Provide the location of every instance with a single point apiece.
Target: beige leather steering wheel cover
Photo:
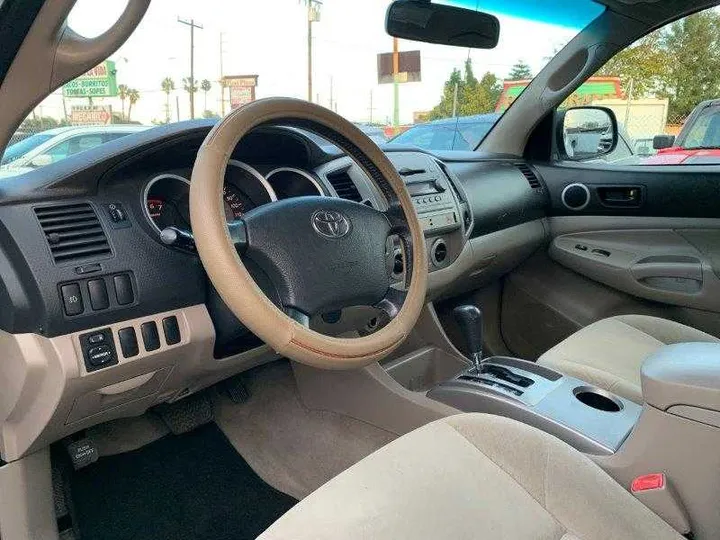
(232, 280)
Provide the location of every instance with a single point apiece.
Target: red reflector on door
(648, 481)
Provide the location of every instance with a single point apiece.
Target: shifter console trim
(549, 403)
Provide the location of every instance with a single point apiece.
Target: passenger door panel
(659, 257)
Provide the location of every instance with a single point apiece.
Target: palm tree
(205, 86)
(168, 86)
(122, 93)
(190, 86)
(132, 95)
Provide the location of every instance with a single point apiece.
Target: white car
(57, 144)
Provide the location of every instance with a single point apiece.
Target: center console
(588, 418)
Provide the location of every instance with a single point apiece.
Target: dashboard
(104, 317)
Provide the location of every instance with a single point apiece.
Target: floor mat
(193, 486)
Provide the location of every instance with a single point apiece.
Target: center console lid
(682, 377)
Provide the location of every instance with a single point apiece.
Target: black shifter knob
(471, 323)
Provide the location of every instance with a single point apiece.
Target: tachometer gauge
(167, 202)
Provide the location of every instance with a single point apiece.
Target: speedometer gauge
(236, 203)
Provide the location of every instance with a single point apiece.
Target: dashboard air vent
(344, 186)
(73, 231)
(530, 175)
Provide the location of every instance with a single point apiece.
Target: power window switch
(128, 342)
(150, 336)
(72, 299)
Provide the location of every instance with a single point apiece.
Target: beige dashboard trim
(47, 392)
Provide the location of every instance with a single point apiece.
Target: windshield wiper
(702, 148)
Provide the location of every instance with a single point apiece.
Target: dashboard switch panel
(150, 336)
(72, 299)
(171, 330)
(98, 349)
(123, 289)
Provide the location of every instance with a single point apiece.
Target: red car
(698, 142)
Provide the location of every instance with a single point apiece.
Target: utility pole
(396, 83)
(193, 26)
(313, 15)
(331, 93)
(371, 106)
(177, 106)
(455, 98)
(222, 75)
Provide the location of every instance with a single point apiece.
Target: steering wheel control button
(171, 329)
(98, 294)
(72, 299)
(330, 223)
(128, 342)
(123, 289)
(98, 349)
(150, 336)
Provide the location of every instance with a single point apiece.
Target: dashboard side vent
(72, 231)
(344, 185)
(530, 175)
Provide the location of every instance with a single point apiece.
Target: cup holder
(597, 399)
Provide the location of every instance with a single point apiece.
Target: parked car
(461, 133)
(57, 144)
(698, 142)
(466, 132)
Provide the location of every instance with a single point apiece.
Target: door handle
(621, 196)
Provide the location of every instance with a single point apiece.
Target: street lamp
(313, 15)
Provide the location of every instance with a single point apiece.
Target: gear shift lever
(470, 320)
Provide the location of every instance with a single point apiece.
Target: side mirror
(663, 141)
(586, 133)
(421, 20)
(41, 160)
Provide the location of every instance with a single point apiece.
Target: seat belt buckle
(655, 492)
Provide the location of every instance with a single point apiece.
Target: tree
(644, 63)
(520, 71)
(680, 62)
(168, 86)
(190, 86)
(122, 93)
(210, 114)
(473, 96)
(133, 96)
(205, 86)
(692, 73)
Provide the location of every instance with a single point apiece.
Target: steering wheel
(320, 253)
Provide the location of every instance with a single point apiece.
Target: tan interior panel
(659, 265)
(50, 393)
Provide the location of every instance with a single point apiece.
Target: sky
(269, 37)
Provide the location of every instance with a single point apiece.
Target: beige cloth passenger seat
(609, 353)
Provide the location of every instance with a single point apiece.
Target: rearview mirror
(420, 20)
(586, 133)
(663, 141)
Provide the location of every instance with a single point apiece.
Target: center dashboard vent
(344, 185)
(528, 173)
(72, 231)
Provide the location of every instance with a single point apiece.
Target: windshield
(19, 149)
(705, 131)
(335, 53)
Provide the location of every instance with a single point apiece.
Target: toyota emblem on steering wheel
(330, 224)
